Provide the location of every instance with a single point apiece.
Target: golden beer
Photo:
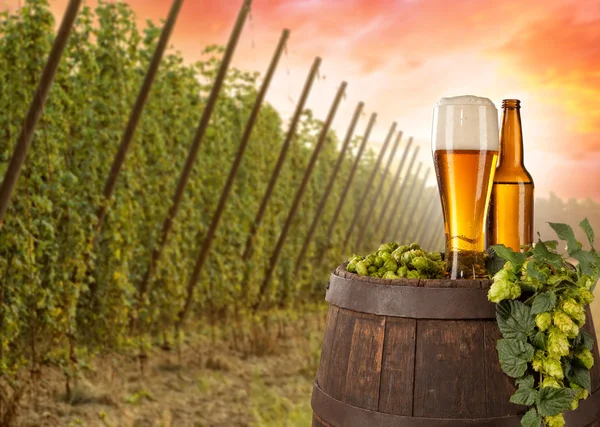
(465, 150)
(511, 205)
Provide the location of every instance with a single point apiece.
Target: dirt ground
(264, 380)
(267, 382)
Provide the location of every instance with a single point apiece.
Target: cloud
(559, 55)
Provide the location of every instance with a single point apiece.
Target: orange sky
(400, 56)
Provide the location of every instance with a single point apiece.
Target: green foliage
(48, 264)
(543, 345)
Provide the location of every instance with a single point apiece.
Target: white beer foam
(465, 123)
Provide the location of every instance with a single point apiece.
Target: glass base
(466, 264)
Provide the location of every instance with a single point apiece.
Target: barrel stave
(397, 375)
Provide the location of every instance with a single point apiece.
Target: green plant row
(47, 262)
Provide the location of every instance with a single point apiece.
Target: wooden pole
(361, 232)
(280, 160)
(136, 112)
(299, 194)
(204, 251)
(403, 229)
(388, 227)
(396, 180)
(36, 107)
(193, 152)
(325, 197)
(365, 194)
(346, 189)
(405, 209)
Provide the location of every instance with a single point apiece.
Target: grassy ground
(262, 377)
(247, 375)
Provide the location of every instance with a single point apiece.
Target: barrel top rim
(341, 271)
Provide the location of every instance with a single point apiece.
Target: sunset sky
(400, 57)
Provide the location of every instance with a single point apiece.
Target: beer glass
(465, 149)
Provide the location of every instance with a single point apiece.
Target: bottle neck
(511, 138)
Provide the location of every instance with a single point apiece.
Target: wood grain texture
(449, 370)
(334, 383)
(397, 371)
(364, 365)
(330, 327)
(498, 386)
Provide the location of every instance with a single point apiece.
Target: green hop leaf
(540, 340)
(533, 272)
(379, 262)
(516, 259)
(525, 394)
(586, 261)
(515, 320)
(531, 419)
(587, 229)
(542, 254)
(587, 340)
(543, 321)
(565, 232)
(581, 377)
(543, 302)
(553, 401)
(514, 356)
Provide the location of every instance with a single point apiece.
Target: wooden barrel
(418, 353)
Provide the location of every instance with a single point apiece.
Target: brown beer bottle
(511, 203)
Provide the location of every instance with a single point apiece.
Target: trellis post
(36, 107)
(212, 229)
